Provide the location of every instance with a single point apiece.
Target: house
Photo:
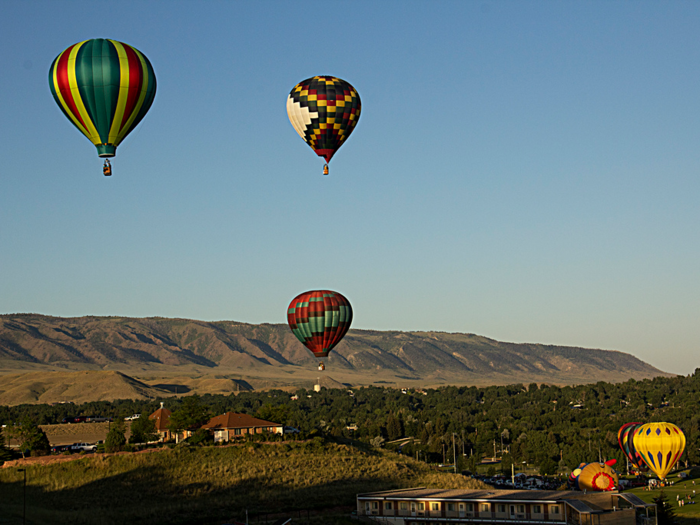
(231, 425)
(459, 506)
(162, 418)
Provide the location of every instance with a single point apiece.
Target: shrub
(115, 437)
(200, 437)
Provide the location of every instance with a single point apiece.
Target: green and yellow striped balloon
(105, 88)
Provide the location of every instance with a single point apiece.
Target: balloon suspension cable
(107, 168)
(325, 169)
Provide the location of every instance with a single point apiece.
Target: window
(451, 507)
(421, 506)
(237, 431)
(403, 505)
(501, 507)
(387, 505)
(537, 509)
(554, 509)
(484, 507)
(367, 506)
(375, 505)
(521, 509)
(470, 507)
(434, 506)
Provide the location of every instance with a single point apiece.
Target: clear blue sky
(527, 171)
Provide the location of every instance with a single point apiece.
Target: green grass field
(212, 485)
(689, 514)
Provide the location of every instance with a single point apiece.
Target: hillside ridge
(158, 345)
(34, 341)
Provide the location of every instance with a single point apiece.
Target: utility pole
(444, 459)
(24, 497)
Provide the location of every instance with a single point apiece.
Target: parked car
(131, 418)
(98, 419)
(57, 449)
(87, 447)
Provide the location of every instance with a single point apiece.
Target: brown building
(231, 425)
(162, 418)
(457, 506)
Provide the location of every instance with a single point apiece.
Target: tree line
(547, 426)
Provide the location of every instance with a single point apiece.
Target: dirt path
(48, 460)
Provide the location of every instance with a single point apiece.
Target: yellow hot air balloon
(660, 445)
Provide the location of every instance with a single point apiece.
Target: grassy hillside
(210, 484)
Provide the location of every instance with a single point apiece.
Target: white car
(87, 447)
(131, 418)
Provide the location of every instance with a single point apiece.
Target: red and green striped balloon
(105, 88)
(319, 319)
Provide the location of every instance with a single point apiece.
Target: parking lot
(67, 434)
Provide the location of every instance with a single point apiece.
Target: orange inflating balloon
(597, 477)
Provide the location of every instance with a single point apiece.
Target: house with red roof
(161, 417)
(232, 425)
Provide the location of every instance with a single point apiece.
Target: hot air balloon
(597, 477)
(324, 110)
(319, 319)
(105, 88)
(660, 445)
(573, 477)
(624, 438)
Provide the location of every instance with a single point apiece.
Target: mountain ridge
(35, 342)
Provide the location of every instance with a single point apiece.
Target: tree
(276, 414)
(115, 437)
(506, 463)
(548, 467)
(4, 451)
(32, 439)
(665, 513)
(191, 415)
(143, 430)
(393, 427)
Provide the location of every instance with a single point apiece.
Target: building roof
(581, 506)
(233, 420)
(554, 496)
(162, 418)
(635, 500)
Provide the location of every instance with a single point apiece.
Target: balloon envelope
(597, 477)
(660, 445)
(324, 110)
(105, 88)
(319, 319)
(624, 438)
